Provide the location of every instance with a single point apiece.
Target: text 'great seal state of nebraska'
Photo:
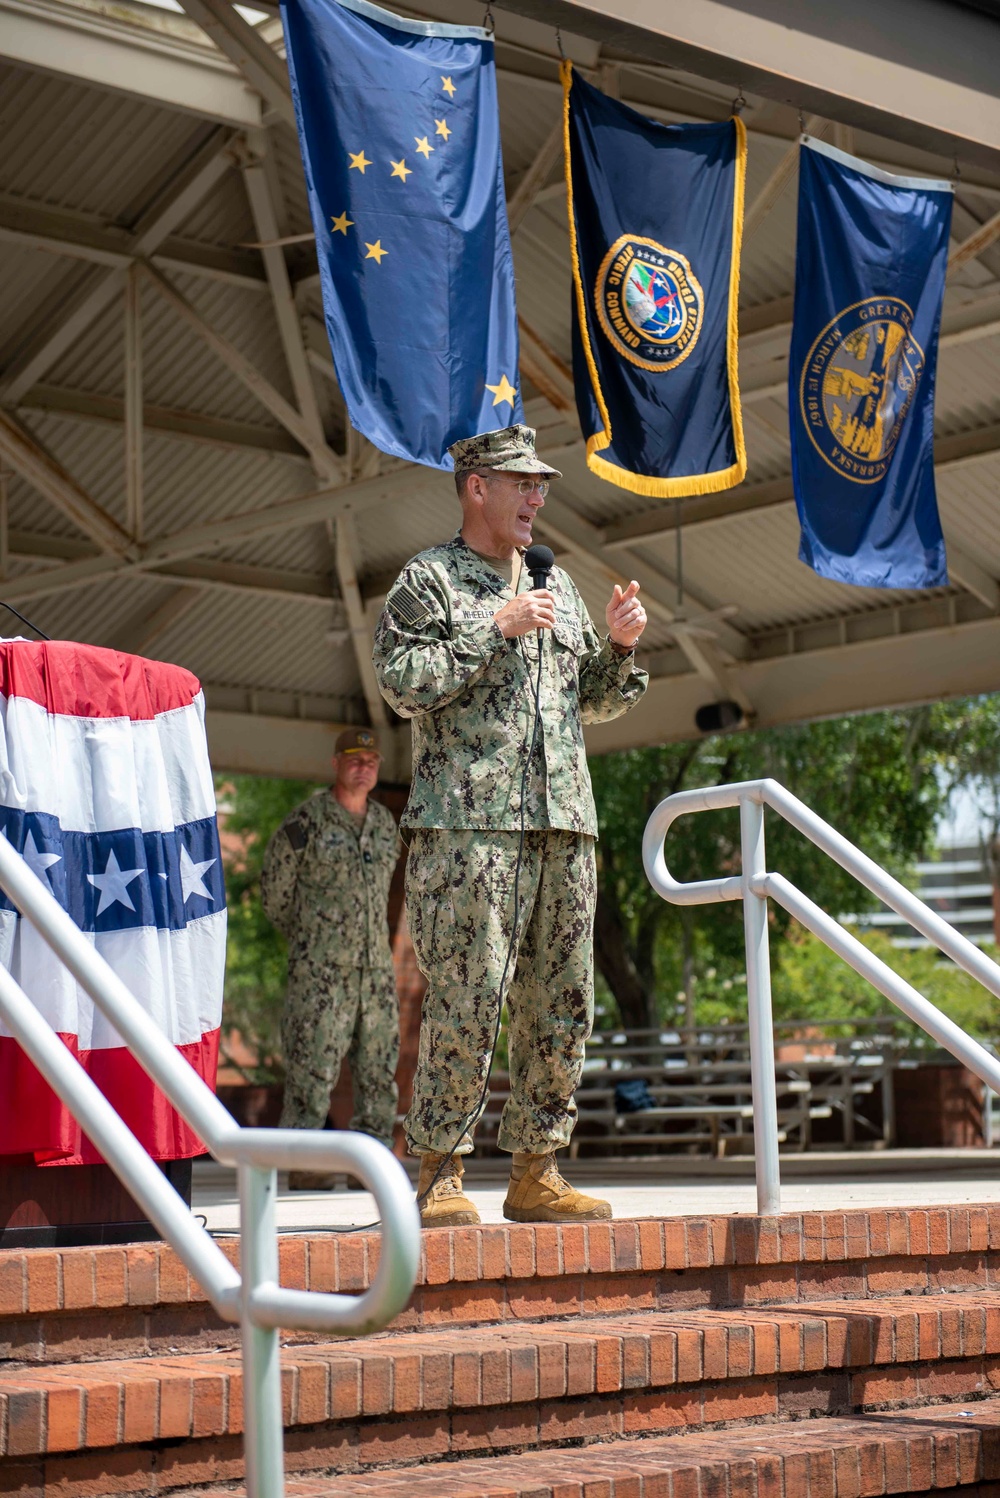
(858, 384)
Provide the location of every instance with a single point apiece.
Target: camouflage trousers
(332, 1012)
(460, 906)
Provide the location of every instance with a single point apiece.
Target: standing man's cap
(510, 450)
(353, 740)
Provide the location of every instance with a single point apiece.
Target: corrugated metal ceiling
(75, 148)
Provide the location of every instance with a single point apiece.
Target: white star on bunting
(113, 884)
(192, 882)
(37, 861)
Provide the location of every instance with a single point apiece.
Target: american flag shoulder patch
(407, 606)
(297, 835)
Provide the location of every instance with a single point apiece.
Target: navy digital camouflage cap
(509, 450)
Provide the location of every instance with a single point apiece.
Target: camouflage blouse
(442, 661)
(327, 888)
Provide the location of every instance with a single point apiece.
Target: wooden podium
(67, 1206)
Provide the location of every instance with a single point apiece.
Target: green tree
(874, 777)
(966, 735)
(813, 982)
(256, 960)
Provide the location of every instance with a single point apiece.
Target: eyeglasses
(525, 486)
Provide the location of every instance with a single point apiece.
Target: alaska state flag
(400, 141)
(106, 792)
(655, 222)
(870, 268)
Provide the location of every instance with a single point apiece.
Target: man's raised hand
(526, 612)
(625, 615)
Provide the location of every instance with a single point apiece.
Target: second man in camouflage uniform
(325, 885)
(458, 649)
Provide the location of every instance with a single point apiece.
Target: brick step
(428, 1396)
(136, 1300)
(942, 1449)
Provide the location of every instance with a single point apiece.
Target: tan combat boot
(311, 1180)
(538, 1193)
(445, 1205)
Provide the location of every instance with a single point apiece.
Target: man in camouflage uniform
(457, 649)
(325, 885)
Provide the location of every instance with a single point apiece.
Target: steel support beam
(892, 671)
(290, 514)
(78, 236)
(972, 576)
(962, 324)
(29, 458)
(191, 426)
(265, 217)
(259, 64)
(978, 241)
(560, 521)
(121, 50)
(133, 404)
(345, 544)
(523, 198)
(545, 369)
(199, 540)
(950, 452)
(776, 183)
(95, 291)
(140, 633)
(341, 530)
(920, 71)
(324, 459)
(700, 110)
(275, 583)
(4, 518)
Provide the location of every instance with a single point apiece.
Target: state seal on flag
(858, 384)
(649, 303)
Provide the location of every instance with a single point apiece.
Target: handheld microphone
(539, 561)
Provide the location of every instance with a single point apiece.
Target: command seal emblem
(858, 385)
(649, 303)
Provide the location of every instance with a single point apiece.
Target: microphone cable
(366, 1227)
(23, 620)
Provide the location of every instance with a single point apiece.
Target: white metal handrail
(754, 885)
(252, 1295)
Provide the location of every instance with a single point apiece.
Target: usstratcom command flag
(400, 141)
(869, 281)
(655, 222)
(106, 792)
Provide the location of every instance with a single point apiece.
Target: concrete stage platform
(677, 1187)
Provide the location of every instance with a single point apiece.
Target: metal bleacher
(834, 1073)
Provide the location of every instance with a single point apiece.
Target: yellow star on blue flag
(504, 392)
